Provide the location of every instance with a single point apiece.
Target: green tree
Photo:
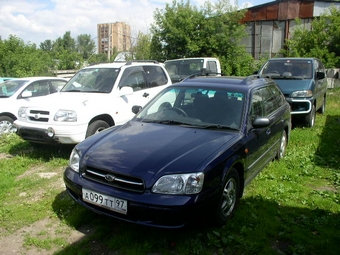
(18, 59)
(85, 46)
(323, 41)
(65, 54)
(182, 30)
(142, 48)
(46, 45)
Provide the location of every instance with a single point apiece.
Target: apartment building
(113, 35)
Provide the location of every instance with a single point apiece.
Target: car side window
(212, 66)
(280, 99)
(257, 105)
(40, 88)
(264, 102)
(133, 77)
(155, 76)
(57, 85)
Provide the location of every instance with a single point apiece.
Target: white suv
(95, 98)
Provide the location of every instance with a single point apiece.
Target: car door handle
(145, 94)
(268, 131)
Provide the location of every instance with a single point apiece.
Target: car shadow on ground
(43, 152)
(328, 150)
(104, 235)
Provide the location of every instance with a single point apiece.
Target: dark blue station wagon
(186, 156)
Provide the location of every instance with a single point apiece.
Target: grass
(292, 207)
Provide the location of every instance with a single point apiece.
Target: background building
(113, 35)
(269, 25)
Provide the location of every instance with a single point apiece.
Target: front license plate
(108, 202)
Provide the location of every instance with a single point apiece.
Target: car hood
(290, 85)
(149, 150)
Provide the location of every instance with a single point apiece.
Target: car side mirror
(136, 109)
(126, 90)
(26, 94)
(256, 72)
(261, 122)
(320, 75)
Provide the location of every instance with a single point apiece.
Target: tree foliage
(141, 50)
(182, 30)
(323, 41)
(85, 46)
(18, 59)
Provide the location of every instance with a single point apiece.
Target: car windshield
(198, 107)
(184, 67)
(98, 80)
(8, 88)
(287, 68)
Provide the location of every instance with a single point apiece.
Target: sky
(35, 21)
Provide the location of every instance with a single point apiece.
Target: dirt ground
(52, 227)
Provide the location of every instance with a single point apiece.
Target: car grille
(39, 116)
(115, 180)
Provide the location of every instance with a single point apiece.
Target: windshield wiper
(217, 126)
(168, 122)
(71, 90)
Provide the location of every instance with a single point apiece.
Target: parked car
(182, 68)
(191, 150)
(95, 98)
(2, 79)
(303, 82)
(19, 91)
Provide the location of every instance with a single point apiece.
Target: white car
(95, 98)
(19, 91)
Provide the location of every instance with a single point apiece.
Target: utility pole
(109, 43)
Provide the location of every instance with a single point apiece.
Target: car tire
(96, 127)
(6, 124)
(283, 145)
(229, 197)
(310, 118)
(323, 106)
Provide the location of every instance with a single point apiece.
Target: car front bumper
(300, 106)
(50, 134)
(150, 209)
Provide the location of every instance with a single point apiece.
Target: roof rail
(141, 61)
(252, 78)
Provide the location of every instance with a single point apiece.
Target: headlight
(74, 160)
(65, 115)
(302, 93)
(179, 184)
(22, 112)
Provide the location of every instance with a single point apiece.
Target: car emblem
(37, 116)
(110, 178)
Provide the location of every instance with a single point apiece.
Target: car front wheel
(6, 124)
(323, 106)
(229, 198)
(310, 118)
(283, 145)
(96, 127)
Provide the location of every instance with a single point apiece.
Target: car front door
(146, 82)
(262, 140)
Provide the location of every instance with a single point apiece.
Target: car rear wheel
(6, 124)
(96, 127)
(229, 198)
(310, 118)
(283, 145)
